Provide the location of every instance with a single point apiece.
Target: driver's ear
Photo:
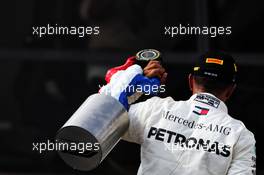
(190, 80)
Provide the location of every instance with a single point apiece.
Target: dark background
(44, 80)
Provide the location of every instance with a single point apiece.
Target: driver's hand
(155, 69)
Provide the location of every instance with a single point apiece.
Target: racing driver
(196, 136)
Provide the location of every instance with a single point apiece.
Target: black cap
(216, 65)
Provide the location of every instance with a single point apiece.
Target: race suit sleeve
(138, 114)
(244, 157)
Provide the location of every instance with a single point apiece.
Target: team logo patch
(207, 99)
(215, 61)
(200, 110)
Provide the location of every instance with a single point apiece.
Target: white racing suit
(193, 137)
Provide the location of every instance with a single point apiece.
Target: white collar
(210, 100)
